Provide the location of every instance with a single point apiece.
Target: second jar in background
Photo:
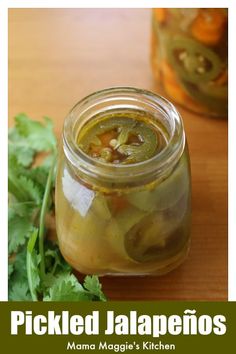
(190, 57)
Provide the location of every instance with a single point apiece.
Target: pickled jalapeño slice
(121, 139)
(154, 239)
(193, 61)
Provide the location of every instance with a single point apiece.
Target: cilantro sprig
(37, 271)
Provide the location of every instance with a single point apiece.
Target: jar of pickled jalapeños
(190, 57)
(123, 185)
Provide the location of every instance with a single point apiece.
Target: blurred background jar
(190, 57)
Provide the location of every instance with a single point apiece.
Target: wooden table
(56, 57)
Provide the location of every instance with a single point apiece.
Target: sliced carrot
(209, 26)
(95, 149)
(107, 136)
(222, 79)
(160, 15)
(153, 43)
(167, 71)
(118, 203)
(171, 84)
(175, 91)
(155, 57)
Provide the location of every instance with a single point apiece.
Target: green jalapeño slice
(122, 138)
(193, 61)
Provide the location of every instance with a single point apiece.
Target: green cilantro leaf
(19, 280)
(67, 288)
(18, 231)
(19, 261)
(10, 270)
(92, 284)
(33, 191)
(20, 292)
(33, 260)
(37, 135)
(19, 148)
(37, 270)
(54, 262)
(39, 175)
(23, 188)
(21, 209)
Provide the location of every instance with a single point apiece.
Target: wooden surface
(58, 56)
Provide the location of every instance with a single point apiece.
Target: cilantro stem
(42, 216)
(30, 247)
(54, 267)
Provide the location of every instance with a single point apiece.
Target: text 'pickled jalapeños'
(122, 139)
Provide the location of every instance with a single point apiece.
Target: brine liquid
(144, 231)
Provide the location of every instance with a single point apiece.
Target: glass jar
(190, 57)
(123, 219)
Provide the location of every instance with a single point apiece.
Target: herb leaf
(91, 283)
(38, 136)
(67, 288)
(20, 292)
(37, 271)
(33, 260)
(18, 231)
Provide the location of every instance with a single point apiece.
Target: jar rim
(154, 166)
